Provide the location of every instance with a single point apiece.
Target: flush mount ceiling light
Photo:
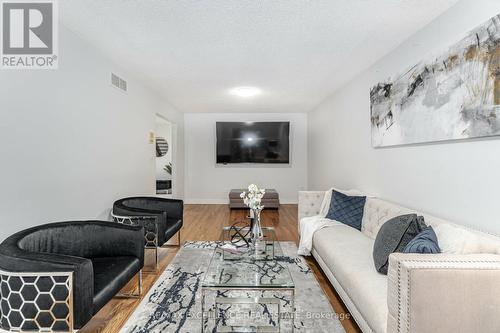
(245, 92)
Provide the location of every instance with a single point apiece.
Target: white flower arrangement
(253, 197)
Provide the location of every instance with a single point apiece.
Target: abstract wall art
(455, 95)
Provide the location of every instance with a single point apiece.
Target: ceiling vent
(118, 82)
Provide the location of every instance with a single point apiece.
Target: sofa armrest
(310, 203)
(443, 293)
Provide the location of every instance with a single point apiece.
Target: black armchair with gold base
(56, 276)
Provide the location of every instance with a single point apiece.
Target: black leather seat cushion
(110, 275)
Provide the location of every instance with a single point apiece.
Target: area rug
(173, 304)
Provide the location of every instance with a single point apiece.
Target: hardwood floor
(204, 222)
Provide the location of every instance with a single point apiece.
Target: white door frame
(172, 145)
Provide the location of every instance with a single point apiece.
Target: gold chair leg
(132, 294)
(178, 240)
(139, 282)
(155, 269)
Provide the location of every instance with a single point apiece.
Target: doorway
(164, 157)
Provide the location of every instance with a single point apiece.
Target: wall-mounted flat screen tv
(253, 142)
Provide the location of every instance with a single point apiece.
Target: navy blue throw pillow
(424, 242)
(346, 209)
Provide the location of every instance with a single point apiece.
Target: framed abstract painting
(451, 96)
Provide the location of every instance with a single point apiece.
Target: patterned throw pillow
(346, 209)
(424, 242)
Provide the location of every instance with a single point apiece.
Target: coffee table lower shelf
(247, 294)
(259, 310)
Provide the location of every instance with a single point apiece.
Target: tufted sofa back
(378, 211)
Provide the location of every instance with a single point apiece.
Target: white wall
(70, 144)
(456, 180)
(207, 182)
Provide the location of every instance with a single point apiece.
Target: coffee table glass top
(246, 272)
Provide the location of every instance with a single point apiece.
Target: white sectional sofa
(421, 293)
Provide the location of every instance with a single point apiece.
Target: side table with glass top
(244, 293)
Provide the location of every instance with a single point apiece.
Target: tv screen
(253, 142)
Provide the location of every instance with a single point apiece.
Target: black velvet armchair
(59, 275)
(169, 213)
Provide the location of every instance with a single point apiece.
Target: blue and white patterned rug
(173, 304)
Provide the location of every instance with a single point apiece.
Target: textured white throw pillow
(456, 240)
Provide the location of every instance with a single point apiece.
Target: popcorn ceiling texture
(297, 52)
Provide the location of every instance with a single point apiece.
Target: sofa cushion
(110, 275)
(348, 254)
(347, 209)
(393, 236)
(424, 242)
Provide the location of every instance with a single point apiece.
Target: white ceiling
(297, 52)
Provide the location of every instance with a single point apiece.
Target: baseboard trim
(206, 201)
(289, 202)
(190, 201)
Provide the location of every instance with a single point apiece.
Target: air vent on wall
(118, 82)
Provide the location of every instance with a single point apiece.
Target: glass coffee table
(248, 295)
